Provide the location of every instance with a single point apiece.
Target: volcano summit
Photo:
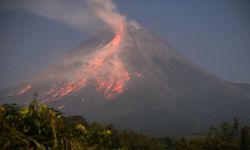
(135, 80)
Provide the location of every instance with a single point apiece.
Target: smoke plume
(102, 66)
(78, 14)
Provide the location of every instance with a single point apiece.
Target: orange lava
(111, 74)
(138, 75)
(105, 68)
(72, 87)
(25, 89)
(51, 91)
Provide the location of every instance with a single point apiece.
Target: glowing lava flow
(25, 89)
(104, 67)
(72, 87)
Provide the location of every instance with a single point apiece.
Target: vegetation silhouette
(41, 127)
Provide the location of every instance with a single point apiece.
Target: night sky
(212, 33)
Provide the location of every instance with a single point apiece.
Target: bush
(40, 127)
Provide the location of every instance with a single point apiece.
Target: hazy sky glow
(212, 33)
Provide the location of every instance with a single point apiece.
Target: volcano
(135, 80)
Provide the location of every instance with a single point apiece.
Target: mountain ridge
(165, 93)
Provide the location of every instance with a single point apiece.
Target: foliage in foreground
(40, 127)
(227, 136)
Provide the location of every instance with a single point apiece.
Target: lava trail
(104, 69)
(25, 89)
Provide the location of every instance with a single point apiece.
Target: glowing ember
(138, 75)
(72, 87)
(51, 91)
(61, 106)
(25, 89)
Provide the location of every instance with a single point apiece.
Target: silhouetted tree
(245, 139)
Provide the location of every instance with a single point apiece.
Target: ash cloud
(78, 14)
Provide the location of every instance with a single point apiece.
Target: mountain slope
(137, 81)
(243, 86)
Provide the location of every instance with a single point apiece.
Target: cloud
(78, 14)
(106, 10)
